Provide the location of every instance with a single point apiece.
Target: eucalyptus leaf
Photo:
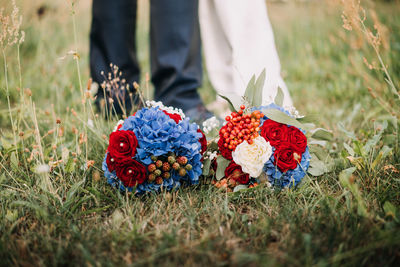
(249, 93)
(322, 134)
(281, 117)
(206, 166)
(317, 167)
(222, 164)
(310, 118)
(279, 97)
(231, 105)
(240, 187)
(258, 89)
(319, 152)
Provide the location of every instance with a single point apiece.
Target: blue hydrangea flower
(291, 177)
(157, 135)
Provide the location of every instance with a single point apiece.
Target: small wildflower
(89, 163)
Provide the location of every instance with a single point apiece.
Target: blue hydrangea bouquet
(155, 148)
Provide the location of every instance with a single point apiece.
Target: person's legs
(175, 52)
(112, 40)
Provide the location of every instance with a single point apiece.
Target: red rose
(203, 141)
(122, 145)
(225, 152)
(286, 157)
(274, 132)
(235, 172)
(110, 163)
(297, 139)
(130, 172)
(176, 117)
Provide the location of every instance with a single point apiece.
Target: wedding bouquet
(154, 148)
(259, 143)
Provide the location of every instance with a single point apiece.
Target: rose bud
(159, 180)
(151, 177)
(153, 158)
(182, 160)
(151, 167)
(166, 175)
(188, 167)
(157, 173)
(159, 163)
(171, 159)
(182, 172)
(166, 167)
(176, 166)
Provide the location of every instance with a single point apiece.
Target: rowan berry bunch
(162, 166)
(240, 127)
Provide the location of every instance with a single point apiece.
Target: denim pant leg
(112, 40)
(176, 63)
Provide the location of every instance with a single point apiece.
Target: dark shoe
(198, 114)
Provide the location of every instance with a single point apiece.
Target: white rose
(252, 157)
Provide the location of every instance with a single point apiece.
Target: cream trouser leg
(238, 42)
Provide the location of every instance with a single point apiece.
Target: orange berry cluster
(229, 184)
(241, 127)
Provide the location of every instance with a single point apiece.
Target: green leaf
(317, 167)
(349, 149)
(222, 164)
(258, 90)
(344, 178)
(70, 166)
(231, 106)
(279, 97)
(345, 175)
(311, 118)
(240, 187)
(372, 142)
(348, 133)
(282, 117)
(385, 151)
(249, 93)
(322, 134)
(390, 209)
(319, 152)
(206, 166)
(12, 215)
(14, 160)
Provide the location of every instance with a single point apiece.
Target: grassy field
(70, 216)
